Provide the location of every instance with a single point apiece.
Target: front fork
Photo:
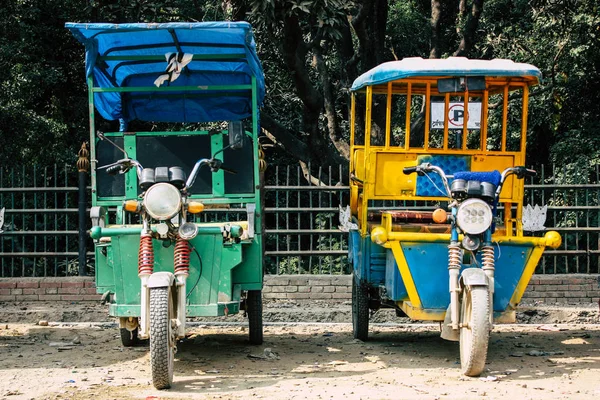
(454, 265)
(181, 261)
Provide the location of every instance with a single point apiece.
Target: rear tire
(475, 329)
(254, 309)
(360, 310)
(162, 337)
(129, 338)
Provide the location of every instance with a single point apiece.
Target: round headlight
(474, 216)
(162, 201)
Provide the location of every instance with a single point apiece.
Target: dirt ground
(318, 360)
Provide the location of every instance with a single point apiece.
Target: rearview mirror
(236, 135)
(461, 84)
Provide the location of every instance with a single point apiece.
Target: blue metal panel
(428, 265)
(510, 264)
(431, 184)
(431, 279)
(367, 258)
(393, 281)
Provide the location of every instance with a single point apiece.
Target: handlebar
(424, 168)
(214, 163)
(124, 165)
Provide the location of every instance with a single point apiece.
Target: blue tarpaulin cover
(223, 39)
(452, 66)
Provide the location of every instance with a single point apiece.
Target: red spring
(146, 256)
(181, 257)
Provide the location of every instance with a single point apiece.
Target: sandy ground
(314, 361)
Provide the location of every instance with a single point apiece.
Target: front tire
(255, 322)
(360, 310)
(162, 337)
(475, 329)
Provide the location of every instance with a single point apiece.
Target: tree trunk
(470, 30)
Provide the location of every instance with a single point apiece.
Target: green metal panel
(105, 279)
(210, 281)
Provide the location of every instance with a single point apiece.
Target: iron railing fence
(39, 233)
(40, 222)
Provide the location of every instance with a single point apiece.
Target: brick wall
(48, 289)
(547, 289)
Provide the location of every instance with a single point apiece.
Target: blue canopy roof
(452, 66)
(133, 55)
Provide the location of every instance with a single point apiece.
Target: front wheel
(254, 310)
(162, 337)
(474, 330)
(360, 310)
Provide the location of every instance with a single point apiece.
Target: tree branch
(436, 13)
(470, 30)
(285, 138)
(294, 54)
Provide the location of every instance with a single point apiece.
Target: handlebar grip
(530, 172)
(113, 170)
(410, 170)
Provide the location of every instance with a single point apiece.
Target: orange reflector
(195, 207)
(440, 216)
(131, 205)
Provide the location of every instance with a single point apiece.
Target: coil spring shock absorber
(454, 263)
(181, 257)
(454, 258)
(488, 265)
(487, 257)
(146, 255)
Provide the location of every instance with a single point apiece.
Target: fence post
(83, 164)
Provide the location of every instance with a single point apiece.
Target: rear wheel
(360, 310)
(254, 310)
(474, 330)
(162, 337)
(129, 334)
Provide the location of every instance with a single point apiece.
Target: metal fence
(39, 221)
(39, 233)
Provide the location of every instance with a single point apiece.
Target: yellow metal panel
(421, 314)
(389, 178)
(536, 254)
(358, 161)
(413, 295)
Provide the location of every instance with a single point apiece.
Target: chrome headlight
(162, 201)
(474, 216)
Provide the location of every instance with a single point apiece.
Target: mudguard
(473, 277)
(161, 279)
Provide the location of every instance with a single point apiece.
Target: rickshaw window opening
(388, 115)
(407, 127)
(465, 119)
(446, 110)
(427, 114)
(515, 121)
(378, 119)
(484, 115)
(504, 117)
(524, 114)
(398, 121)
(417, 122)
